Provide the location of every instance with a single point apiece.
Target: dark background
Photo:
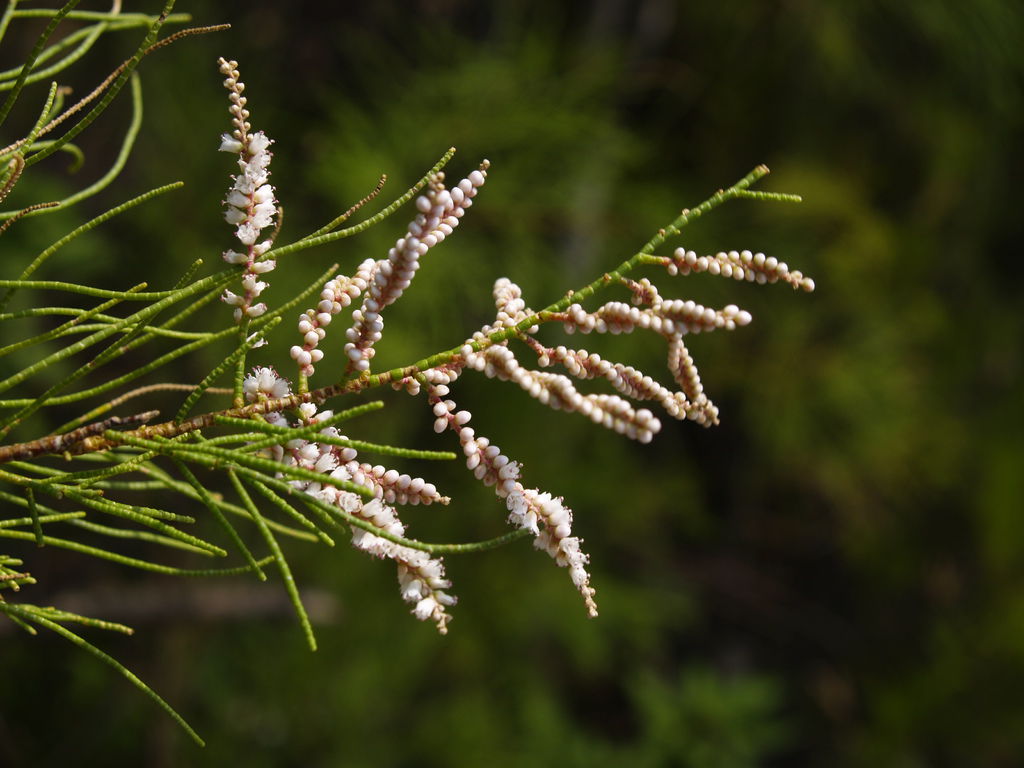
(831, 577)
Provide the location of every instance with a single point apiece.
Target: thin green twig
(30, 60)
(315, 240)
(111, 91)
(289, 510)
(39, 260)
(214, 508)
(314, 432)
(282, 563)
(24, 613)
(165, 299)
(234, 359)
(72, 325)
(143, 565)
(119, 162)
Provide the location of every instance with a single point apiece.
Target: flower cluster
(544, 516)
(507, 349)
(672, 319)
(337, 294)
(250, 203)
(276, 440)
(264, 384)
(539, 512)
(439, 212)
(421, 578)
(739, 265)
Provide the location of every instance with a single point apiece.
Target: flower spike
(250, 205)
(439, 212)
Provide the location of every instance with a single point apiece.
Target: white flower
(259, 143)
(253, 287)
(266, 382)
(264, 194)
(412, 591)
(229, 143)
(231, 299)
(235, 216)
(425, 608)
(237, 199)
(233, 257)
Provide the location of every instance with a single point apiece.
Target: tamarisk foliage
(278, 441)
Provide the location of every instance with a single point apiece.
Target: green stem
(111, 92)
(130, 19)
(66, 633)
(30, 497)
(5, 21)
(119, 162)
(214, 508)
(315, 239)
(32, 56)
(282, 564)
(75, 324)
(289, 510)
(165, 299)
(287, 434)
(236, 358)
(143, 565)
(39, 260)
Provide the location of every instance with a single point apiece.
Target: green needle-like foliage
(282, 564)
(49, 619)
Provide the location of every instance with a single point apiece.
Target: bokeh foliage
(832, 577)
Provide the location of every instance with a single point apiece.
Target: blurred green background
(832, 577)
